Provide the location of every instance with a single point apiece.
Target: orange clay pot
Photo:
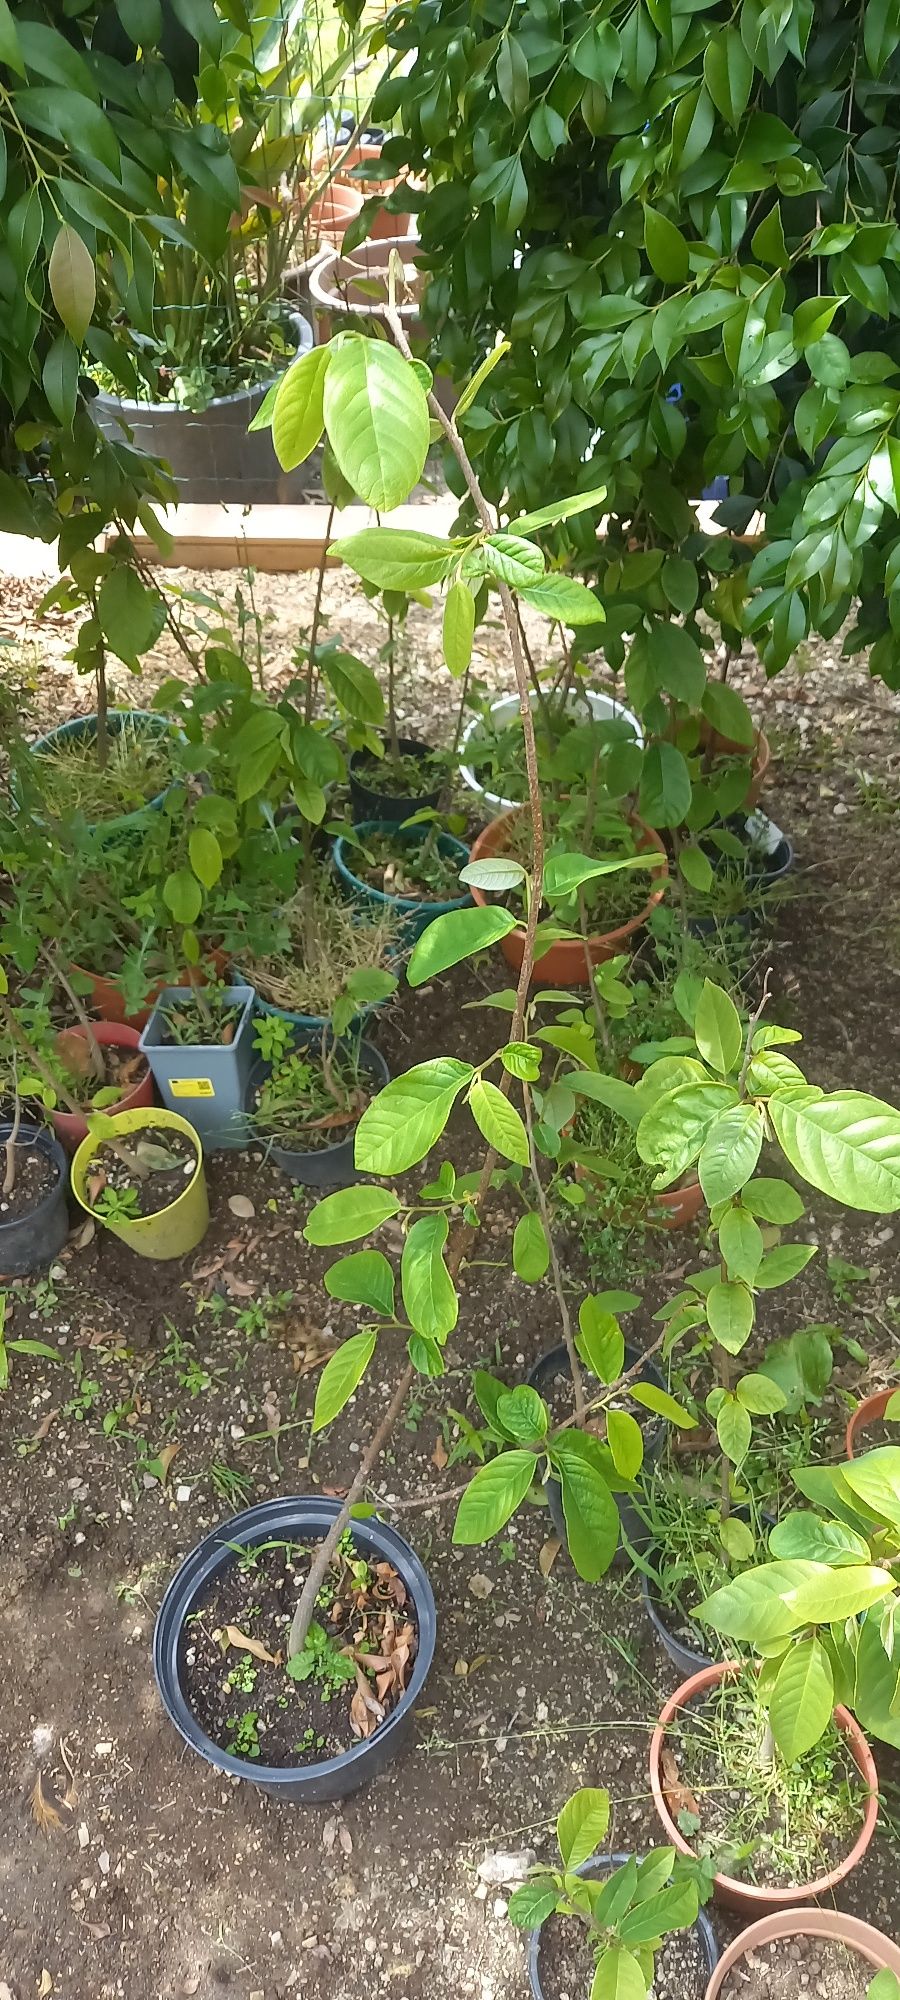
(564, 963)
(868, 1412)
(881, 1952)
(69, 1129)
(748, 1899)
(105, 998)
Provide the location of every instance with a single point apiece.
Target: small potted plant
(198, 1042)
(75, 1071)
(302, 958)
(836, 1956)
(310, 1718)
(606, 1925)
(305, 1096)
(412, 869)
(109, 771)
(492, 761)
(141, 1174)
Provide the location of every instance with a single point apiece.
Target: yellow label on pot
(192, 1086)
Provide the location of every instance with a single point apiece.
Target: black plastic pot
(556, 1362)
(603, 1864)
(765, 870)
(369, 802)
(683, 1657)
(326, 1166)
(32, 1240)
(308, 1518)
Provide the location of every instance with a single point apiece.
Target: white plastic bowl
(602, 707)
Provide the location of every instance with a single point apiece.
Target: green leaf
(802, 1699)
(492, 1496)
(696, 869)
(564, 873)
(350, 1213)
(499, 1122)
(458, 628)
(364, 1278)
(665, 791)
(408, 1116)
(376, 415)
(618, 1976)
(740, 1244)
(532, 1903)
(728, 713)
(729, 1310)
(456, 935)
(666, 248)
(476, 382)
(844, 1143)
(875, 1478)
(523, 1414)
(677, 663)
(60, 379)
(397, 558)
(729, 1153)
(671, 1134)
(341, 1375)
(512, 560)
(72, 281)
(717, 1027)
(582, 1826)
(613, 1091)
(601, 1342)
(182, 895)
(807, 1538)
(626, 1442)
(662, 1405)
(298, 417)
(512, 75)
(131, 614)
(559, 510)
(773, 1201)
(495, 874)
(737, 1539)
(206, 856)
(782, 1264)
(563, 597)
(10, 47)
(734, 1429)
(728, 74)
(429, 1294)
(530, 1249)
(355, 686)
(670, 1909)
(591, 1514)
(760, 1395)
(885, 1985)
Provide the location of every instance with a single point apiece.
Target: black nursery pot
(369, 802)
(683, 1657)
(35, 1239)
(556, 1362)
(603, 1864)
(763, 873)
(325, 1166)
(305, 1518)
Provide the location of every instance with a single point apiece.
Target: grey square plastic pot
(306, 1518)
(206, 1083)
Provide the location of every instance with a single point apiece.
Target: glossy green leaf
(782, 1264)
(590, 1512)
(341, 1376)
(512, 560)
(717, 1026)
(355, 686)
(582, 1826)
(626, 1442)
(845, 1143)
(530, 1249)
(662, 1405)
(73, 282)
(740, 1244)
(523, 1414)
(728, 74)
(298, 415)
(350, 1213)
(429, 1294)
(492, 1496)
(455, 936)
(618, 1976)
(408, 1116)
(802, 1699)
(498, 1121)
(376, 416)
(665, 792)
(730, 1150)
(532, 1903)
(563, 597)
(600, 1340)
(729, 1310)
(665, 247)
(364, 1278)
(561, 510)
(397, 558)
(458, 628)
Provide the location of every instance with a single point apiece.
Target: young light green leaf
(563, 597)
(456, 935)
(406, 1119)
(600, 1340)
(523, 1414)
(717, 1026)
(582, 1826)
(458, 627)
(397, 558)
(734, 1429)
(530, 1249)
(618, 1976)
(532, 1903)
(485, 368)
(662, 1405)
(376, 415)
(298, 418)
(364, 1278)
(492, 1496)
(341, 1375)
(782, 1264)
(429, 1294)
(560, 510)
(737, 1539)
(730, 1152)
(671, 1134)
(876, 1479)
(72, 281)
(626, 1442)
(495, 873)
(741, 1244)
(729, 1310)
(205, 855)
(498, 1121)
(350, 1213)
(802, 1699)
(590, 1512)
(772, 1201)
(512, 560)
(844, 1143)
(761, 1396)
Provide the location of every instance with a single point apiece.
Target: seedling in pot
(627, 1912)
(315, 1092)
(206, 1019)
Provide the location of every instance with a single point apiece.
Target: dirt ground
(160, 1879)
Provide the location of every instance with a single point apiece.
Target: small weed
(241, 1678)
(233, 1487)
(507, 1552)
(842, 1277)
(321, 1660)
(244, 1733)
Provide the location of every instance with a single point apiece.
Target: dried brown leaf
(241, 1206)
(246, 1643)
(45, 1425)
(548, 1554)
(164, 1461)
(45, 1984)
(439, 1455)
(81, 1237)
(43, 1811)
(679, 1796)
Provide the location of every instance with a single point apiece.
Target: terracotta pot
(880, 1951)
(563, 964)
(868, 1412)
(111, 1035)
(343, 286)
(758, 751)
(673, 1209)
(383, 224)
(332, 212)
(106, 999)
(747, 1898)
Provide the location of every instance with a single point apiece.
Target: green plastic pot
(416, 916)
(86, 725)
(176, 1229)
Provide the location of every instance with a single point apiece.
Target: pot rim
(376, 1065)
(867, 1412)
(746, 1895)
(145, 1114)
(201, 1565)
(508, 706)
(447, 844)
(875, 1945)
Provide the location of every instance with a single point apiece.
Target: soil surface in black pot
(421, 872)
(169, 1159)
(355, 1666)
(759, 1819)
(406, 776)
(36, 1175)
(566, 1964)
(797, 1969)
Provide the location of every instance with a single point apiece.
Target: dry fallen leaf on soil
(242, 1206)
(365, 1711)
(548, 1554)
(247, 1644)
(439, 1455)
(679, 1796)
(83, 1235)
(45, 1984)
(43, 1811)
(45, 1425)
(164, 1460)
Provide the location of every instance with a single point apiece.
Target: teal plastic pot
(86, 726)
(415, 916)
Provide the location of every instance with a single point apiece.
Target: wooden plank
(274, 538)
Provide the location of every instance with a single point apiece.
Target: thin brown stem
(9, 1177)
(306, 1602)
(752, 1024)
(82, 1017)
(558, 1286)
(317, 618)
